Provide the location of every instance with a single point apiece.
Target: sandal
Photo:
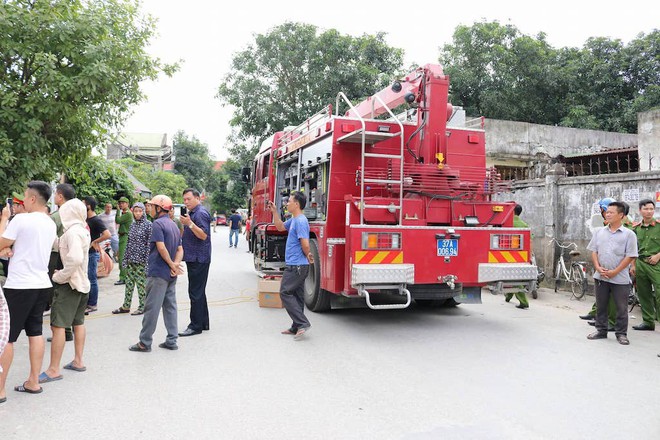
(120, 310)
(138, 312)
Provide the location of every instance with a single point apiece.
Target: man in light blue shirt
(613, 248)
(297, 258)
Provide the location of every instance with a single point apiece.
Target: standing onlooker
(520, 294)
(297, 258)
(197, 255)
(71, 290)
(646, 269)
(123, 218)
(109, 221)
(28, 286)
(214, 220)
(176, 221)
(234, 227)
(135, 260)
(17, 207)
(613, 248)
(99, 233)
(63, 193)
(165, 256)
(248, 225)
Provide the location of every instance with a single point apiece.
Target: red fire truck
(399, 205)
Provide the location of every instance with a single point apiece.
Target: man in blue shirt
(197, 255)
(165, 255)
(297, 258)
(234, 227)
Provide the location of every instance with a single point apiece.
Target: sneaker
(168, 346)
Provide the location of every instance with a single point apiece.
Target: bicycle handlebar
(563, 245)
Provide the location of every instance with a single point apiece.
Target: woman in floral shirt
(135, 260)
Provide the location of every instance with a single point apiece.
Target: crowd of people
(50, 264)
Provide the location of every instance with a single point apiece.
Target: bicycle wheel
(557, 274)
(578, 281)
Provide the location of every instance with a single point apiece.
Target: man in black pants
(613, 249)
(197, 255)
(297, 258)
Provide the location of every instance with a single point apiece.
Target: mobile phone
(184, 210)
(10, 201)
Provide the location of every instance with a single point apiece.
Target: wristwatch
(191, 225)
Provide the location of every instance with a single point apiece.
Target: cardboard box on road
(269, 293)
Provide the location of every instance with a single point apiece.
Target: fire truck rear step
(383, 277)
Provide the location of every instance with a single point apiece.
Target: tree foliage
(95, 176)
(159, 182)
(192, 160)
(69, 71)
(227, 190)
(500, 73)
(294, 70)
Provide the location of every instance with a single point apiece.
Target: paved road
(486, 371)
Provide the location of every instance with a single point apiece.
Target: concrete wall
(648, 129)
(562, 207)
(521, 139)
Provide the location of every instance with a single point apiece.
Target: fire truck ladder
(370, 138)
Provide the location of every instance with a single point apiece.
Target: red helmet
(161, 200)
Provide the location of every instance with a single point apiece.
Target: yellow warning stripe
(378, 257)
(508, 256)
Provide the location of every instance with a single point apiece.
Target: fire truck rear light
(506, 241)
(381, 240)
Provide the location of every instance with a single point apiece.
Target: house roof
(218, 164)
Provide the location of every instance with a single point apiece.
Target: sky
(204, 34)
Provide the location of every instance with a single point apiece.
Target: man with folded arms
(613, 248)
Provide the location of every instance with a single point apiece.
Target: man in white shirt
(108, 218)
(30, 237)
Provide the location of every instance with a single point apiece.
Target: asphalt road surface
(488, 371)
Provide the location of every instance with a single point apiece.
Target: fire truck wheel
(316, 299)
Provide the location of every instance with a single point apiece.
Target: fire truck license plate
(448, 248)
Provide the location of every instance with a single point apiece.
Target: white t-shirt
(34, 234)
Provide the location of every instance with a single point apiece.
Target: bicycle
(576, 274)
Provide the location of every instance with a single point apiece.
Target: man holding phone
(197, 255)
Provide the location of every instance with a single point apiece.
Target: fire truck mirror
(245, 174)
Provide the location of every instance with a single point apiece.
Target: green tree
(69, 72)
(95, 176)
(192, 160)
(227, 190)
(293, 71)
(500, 73)
(159, 182)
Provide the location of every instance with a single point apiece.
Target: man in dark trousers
(197, 255)
(613, 248)
(297, 258)
(165, 254)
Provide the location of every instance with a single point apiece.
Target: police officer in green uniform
(520, 295)
(646, 269)
(124, 218)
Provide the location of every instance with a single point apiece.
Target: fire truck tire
(316, 299)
